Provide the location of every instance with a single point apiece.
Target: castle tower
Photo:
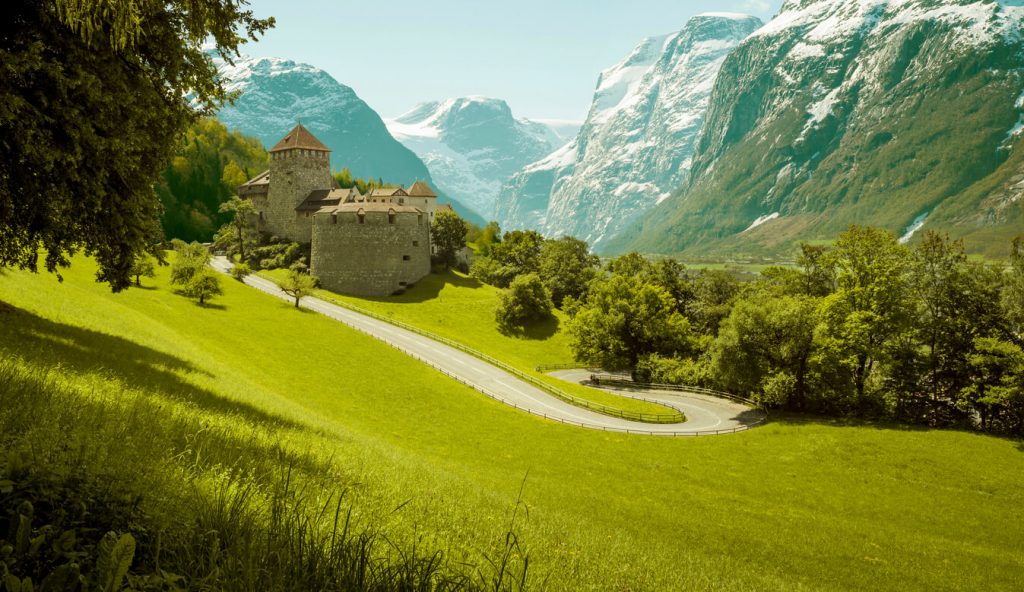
(299, 165)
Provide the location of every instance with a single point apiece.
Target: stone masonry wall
(293, 175)
(368, 259)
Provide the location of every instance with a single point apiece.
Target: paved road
(706, 415)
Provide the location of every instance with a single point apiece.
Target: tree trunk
(297, 301)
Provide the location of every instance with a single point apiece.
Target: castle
(365, 245)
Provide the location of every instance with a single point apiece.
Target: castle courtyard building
(365, 245)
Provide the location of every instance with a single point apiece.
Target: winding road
(705, 415)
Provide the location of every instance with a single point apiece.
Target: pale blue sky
(542, 56)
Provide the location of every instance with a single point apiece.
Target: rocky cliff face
(277, 93)
(473, 144)
(903, 114)
(637, 142)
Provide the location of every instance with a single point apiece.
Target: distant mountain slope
(637, 141)
(473, 144)
(277, 93)
(903, 114)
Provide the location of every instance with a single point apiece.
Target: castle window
(261, 216)
(419, 218)
(334, 218)
(405, 257)
(415, 243)
(401, 200)
(391, 217)
(362, 218)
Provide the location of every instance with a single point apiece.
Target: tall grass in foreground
(102, 488)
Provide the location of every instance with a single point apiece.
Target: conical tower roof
(299, 137)
(421, 189)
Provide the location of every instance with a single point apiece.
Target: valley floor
(799, 503)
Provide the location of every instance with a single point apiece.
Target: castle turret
(299, 165)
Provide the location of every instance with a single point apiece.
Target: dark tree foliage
(93, 99)
(526, 301)
(567, 267)
(206, 171)
(448, 235)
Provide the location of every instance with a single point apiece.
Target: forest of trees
(867, 327)
(207, 170)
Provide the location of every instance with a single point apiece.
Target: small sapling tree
(299, 283)
(205, 284)
(237, 236)
(240, 271)
(143, 267)
(191, 274)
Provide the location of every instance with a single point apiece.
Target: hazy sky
(542, 56)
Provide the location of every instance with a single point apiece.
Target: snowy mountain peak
(473, 144)
(822, 21)
(637, 142)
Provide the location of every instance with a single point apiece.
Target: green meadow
(170, 403)
(458, 307)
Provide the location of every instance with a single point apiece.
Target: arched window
(362, 216)
(391, 216)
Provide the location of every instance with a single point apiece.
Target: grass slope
(460, 308)
(796, 505)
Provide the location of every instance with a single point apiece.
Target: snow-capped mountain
(473, 144)
(278, 93)
(636, 144)
(903, 114)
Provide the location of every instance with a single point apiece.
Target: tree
(448, 235)
(624, 319)
(203, 285)
(238, 235)
(1013, 290)
(567, 267)
(996, 391)
(764, 339)
(526, 300)
(298, 283)
(240, 270)
(143, 267)
(869, 308)
(189, 259)
(518, 253)
(714, 292)
(954, 304)
(489, 236)
(93, 98)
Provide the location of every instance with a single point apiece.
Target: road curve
(705, 415)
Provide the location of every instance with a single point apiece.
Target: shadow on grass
(429, 288)
(211, 305)
(46, 343)
(542, 330)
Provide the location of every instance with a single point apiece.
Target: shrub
(240, 271)
(525, 301)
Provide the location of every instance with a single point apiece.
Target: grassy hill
(458, 307)
(171, 407)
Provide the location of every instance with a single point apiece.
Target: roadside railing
(550, 367)
(639, 416)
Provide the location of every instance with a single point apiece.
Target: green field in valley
(160, 396)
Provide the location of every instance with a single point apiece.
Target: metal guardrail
(639, 416)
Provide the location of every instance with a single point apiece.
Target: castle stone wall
(293, 175)
(369, 259)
